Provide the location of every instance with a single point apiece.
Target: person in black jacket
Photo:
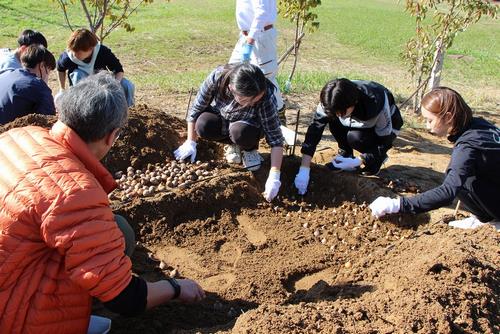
(362, 116)
(85, 56)
(472, 173)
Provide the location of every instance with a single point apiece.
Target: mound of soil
(150, 136)
(44, 121)
(410, 287)
(318, 263)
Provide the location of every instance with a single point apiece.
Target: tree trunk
(419, 73)
(435, 77)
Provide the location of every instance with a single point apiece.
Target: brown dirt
(313, 264)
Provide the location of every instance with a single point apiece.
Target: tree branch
(65, 12)
(87, 14)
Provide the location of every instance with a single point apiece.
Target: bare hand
(190, 291)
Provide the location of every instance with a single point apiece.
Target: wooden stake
(189, 102)
(456, 209)
(296, 129)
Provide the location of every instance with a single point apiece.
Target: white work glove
(185, 150)
(467, 223)
(58, 95)
(272, 185)
(302, 180)
(347, 164)
(384, 205)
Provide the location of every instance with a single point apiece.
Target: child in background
(85, 56)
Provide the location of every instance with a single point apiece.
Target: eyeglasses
(118, 133)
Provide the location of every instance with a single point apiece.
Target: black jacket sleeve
(315, 132)
(462, 166)
(108, 60)
(132, 300)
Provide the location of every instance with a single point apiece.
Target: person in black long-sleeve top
(472, 173)
(362, 116)
(85, 56)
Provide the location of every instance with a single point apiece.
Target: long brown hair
(442, 100)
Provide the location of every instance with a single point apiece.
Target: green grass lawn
(176, 44)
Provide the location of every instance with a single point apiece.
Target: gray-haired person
(61, 243)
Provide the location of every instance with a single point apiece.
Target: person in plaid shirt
(236, 105)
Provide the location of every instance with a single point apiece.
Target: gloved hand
(185, 150)
(338, 158)
(467, 223)
(384, 205)
(347, 164)
(302, 180)
(246, 51)
(272, 185)
(58, 95)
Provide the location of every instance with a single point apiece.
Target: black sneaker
(345, 154)
(332, 168)
(373, 165)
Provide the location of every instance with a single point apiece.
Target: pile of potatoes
(159, 178)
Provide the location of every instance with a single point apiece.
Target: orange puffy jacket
(59, 243)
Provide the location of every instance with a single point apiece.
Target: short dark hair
(247, 79)
(442, 100)
(29, 37)
(338, 95)
(94, 107)
(82, 40)
(36, 54)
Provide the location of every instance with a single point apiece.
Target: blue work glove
(246, 51)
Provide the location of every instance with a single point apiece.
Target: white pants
(264, 55)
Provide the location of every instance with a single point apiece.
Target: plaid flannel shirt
(263, 114)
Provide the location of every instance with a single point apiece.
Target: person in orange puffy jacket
(60, 243)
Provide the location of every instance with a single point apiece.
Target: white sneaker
(467, 223)
(496, 224)
(232, 154)
(251, 160)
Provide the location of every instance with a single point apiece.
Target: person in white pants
(258, 39)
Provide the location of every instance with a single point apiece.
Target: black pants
(469, 197)
(128, 234)
(211, 126)
(348, 139)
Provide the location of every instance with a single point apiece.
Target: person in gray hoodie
(472, 174)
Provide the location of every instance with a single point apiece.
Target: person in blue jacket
(11, 59)
(471, 176)
(24, 90)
